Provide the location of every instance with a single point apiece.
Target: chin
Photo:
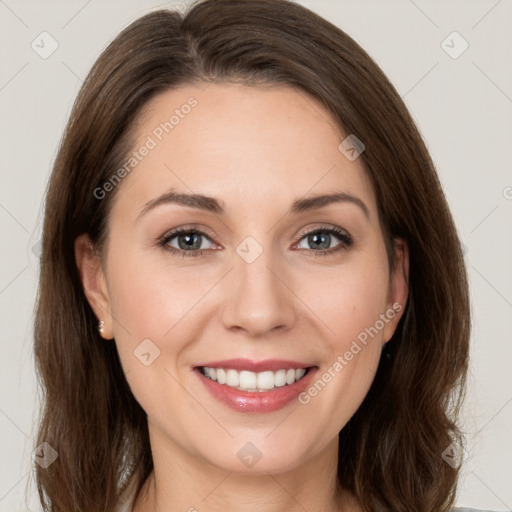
(253, 455)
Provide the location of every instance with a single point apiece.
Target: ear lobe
(93, 281)
(399, 287)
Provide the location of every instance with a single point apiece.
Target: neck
(181, 482)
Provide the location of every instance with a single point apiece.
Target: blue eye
(322, 237)
(190, 242)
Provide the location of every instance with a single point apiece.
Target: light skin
(257, 151)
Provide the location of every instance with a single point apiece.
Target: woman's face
(261, 282)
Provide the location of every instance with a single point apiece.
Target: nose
(259, 298)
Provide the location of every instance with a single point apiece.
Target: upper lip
(256, 366)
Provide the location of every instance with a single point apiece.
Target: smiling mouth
(245, 380)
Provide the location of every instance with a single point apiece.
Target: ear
(93, 280)
(398, 288)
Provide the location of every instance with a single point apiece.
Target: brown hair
(390, 452)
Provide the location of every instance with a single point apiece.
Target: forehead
(267, 145)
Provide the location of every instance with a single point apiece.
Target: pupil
(324, 240)
(191, 241)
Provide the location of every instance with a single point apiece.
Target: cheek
(149, 295)
(151, 302)
(348, 300)
(147, 309)
(349, 306)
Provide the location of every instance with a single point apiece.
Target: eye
(320, 240)
(194, 242)
(188, 242)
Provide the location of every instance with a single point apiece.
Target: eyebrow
(210, 204)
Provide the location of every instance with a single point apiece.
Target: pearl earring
(100, 326)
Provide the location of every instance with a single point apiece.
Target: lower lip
(257, 401)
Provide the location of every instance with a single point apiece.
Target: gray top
(124, 507)
(124, 504)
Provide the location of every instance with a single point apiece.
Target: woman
(195, 350)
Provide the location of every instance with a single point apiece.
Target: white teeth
(300, 373)
(247, 379)
(232, 378)
(221, 376)
(280, 378)
(265, 380)
(210, 372)
(251, 381)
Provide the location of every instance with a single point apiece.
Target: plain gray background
(461, 103)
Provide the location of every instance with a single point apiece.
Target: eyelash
(344, 238)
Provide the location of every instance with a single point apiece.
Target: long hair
(390, 452)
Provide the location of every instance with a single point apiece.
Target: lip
(256, 401)
(240, 364)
